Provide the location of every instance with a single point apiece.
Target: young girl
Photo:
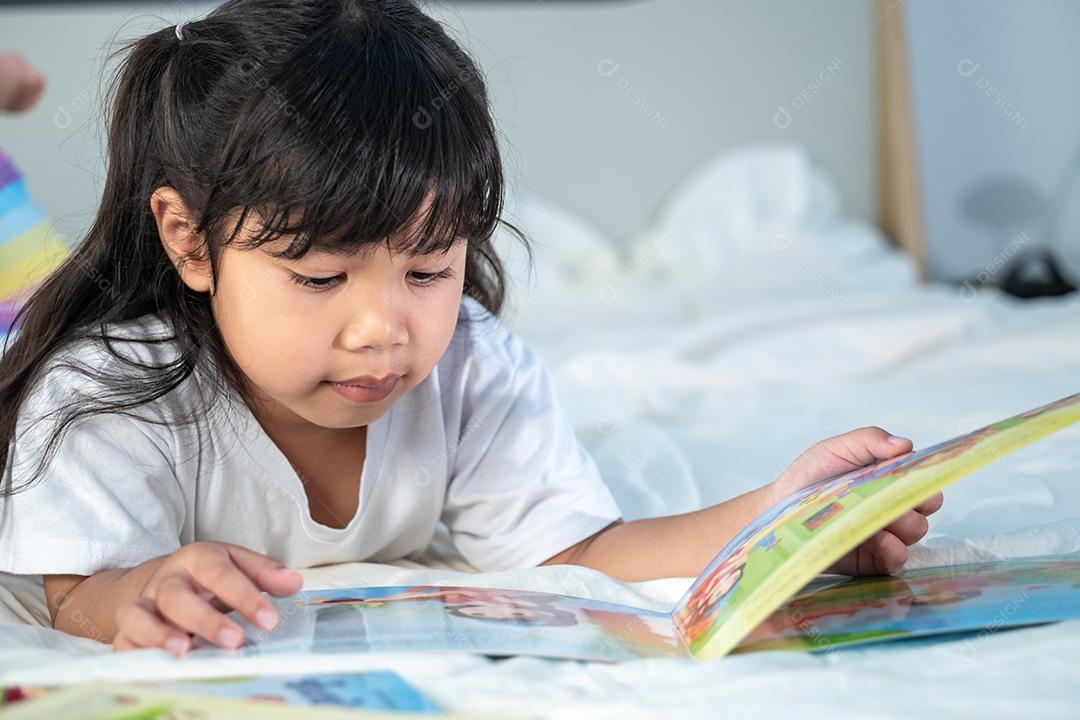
(278, 346)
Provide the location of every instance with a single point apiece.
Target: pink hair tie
(180, 30)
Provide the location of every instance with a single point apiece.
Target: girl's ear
(185, 248)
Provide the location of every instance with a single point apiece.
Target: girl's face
(297, 327)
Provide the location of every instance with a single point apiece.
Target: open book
(247, 696)
(338, 696)
(753, 595)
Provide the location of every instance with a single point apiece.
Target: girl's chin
(336, 414)
(348, 415)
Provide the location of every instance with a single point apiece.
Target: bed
(691, 382)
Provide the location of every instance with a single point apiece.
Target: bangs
(366, 137)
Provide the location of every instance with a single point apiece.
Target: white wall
(996, 103)
(603, 105)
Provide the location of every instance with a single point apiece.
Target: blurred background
(637, 92)
(756, 224)
(942, 122)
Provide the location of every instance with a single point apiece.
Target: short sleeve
(108, 497)
(522, 488)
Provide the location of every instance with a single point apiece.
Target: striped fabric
(29, 246)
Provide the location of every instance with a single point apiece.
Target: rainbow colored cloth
(30, 248)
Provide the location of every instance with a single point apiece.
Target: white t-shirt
(481, 445)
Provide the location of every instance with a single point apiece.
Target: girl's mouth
(365, 389)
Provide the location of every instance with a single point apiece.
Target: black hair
(331, 121)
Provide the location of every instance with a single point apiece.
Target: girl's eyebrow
(345, 252)
(336, 251)
(400, 251)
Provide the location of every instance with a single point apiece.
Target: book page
(785, 547)
(373, 690)
(487, 621)
(976, 598)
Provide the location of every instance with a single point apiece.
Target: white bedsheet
(691, 389)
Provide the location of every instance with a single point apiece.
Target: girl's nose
(376, 325)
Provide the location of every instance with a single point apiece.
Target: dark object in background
(1031, 274)
(1036, 274)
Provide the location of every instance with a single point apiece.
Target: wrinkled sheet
(692, 382)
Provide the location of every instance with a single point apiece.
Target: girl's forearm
(674, 545)
(88, 609)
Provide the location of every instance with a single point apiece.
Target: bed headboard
(898, 189)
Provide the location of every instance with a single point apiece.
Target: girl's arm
(86, 605)
(670, 546)
(683, 545)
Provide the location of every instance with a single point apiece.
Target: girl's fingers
(841, 454)
(121, 643)
(178, 600)
(268, 574)
(215, 602)
(909, 527)
(932, 504)
(881, 554)
(219, 574)
(845, 565)
(143, 626)
(867, 445)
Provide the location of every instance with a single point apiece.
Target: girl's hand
(190, 592)
(885, 551)
(20, 84)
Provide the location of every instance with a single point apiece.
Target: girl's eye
(315, 283)
(424, 279)
(420, 279)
